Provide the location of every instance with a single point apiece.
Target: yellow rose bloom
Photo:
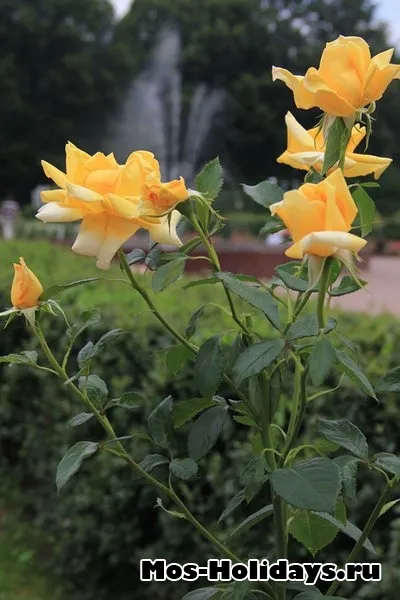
(26, 288)
(106, 197)
(305, 149)
(319, 217)
(347, 80)
(160, 197)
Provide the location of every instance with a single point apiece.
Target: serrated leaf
(304, 327)
(260, 299)
(137, 255)
(346, 435)
(290, 280)
(72, 460)
(87, 319)
(349, 529)
(193, 322)
(252, 520)
(315, 595)
(386, 507)
(153, 257)
(209, 366)
(160, 423)
(128, 400)
(253, 476)
(351, 369)
(168, 274)
(335, 145)
(272, 226)
(256, 358)
(348, 466)
(85, 354)
(186, 410)
(184, 468)
(210, 179)
(25, 358)
(366, 210)
(206, 430)
(388, 462)
(152, 461)
(199, 282)
(311, 484)
(321, 360)
(233, 505)
(347, 285)
(79, 419)
(313, 531)
(95, 388)
(264, 193)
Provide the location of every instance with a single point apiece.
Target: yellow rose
(160, 197)
(319, 217)
(305, 149)
(26, 288)
(106, 197)
(347, 79)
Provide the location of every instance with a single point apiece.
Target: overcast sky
(388, 10)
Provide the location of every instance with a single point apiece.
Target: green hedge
(105, 521)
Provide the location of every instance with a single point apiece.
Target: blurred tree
(60, 73)
(233, 43)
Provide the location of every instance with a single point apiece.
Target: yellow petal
(164, 232)
(76, 160)
(53, 195)
(26, 288)
(302, 97)
(55, 174)
(357, 135)
(365, 164)
(298, 139)
(299, 214)
(325, 243)
(344, 198)
(102, 236)
(126, 208)
(326, 98)
(82, 193)
(343, 70)
(380, 75)
(53, 212)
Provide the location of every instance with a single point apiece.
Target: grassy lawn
(21, 577)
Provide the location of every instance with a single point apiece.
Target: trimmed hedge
(105, 521)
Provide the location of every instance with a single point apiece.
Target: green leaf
(184, 468)
(347, 285)
(25, 358)
(386, 507)
(198, 282)
(137, 255)
(152, 461)
(153, 257)
(348, 466)
(311, 484)
(210, 179)
(128, 400)
(349, 367)
(252, 520)
(232, 505)
(72, 460)
(366, 210)
(335, 145)
(304, 327)
(54, 290)
(389, 382)
(206, 430)
(321, 359)
(85, 354)
(202, 594)
(87, 319)
(314, 532)
(349, 529)
(95, 388)
(236, 591)
(168, 274)
(79, 419)
(388, 462)
(264, 193)
(193, 322)
(286, 273)
(209, 366)
(176, 358)
(256, 297)
(272, 226)
(316, 595)
(256, 358)
(346, 435)
(253, 476)
(186, 410)
(160, 423)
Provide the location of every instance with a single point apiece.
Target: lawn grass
(21, 575)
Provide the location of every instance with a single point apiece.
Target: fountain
(152, 115)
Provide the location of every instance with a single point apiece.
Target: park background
(187, 80)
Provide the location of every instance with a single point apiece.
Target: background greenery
(94, 533)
